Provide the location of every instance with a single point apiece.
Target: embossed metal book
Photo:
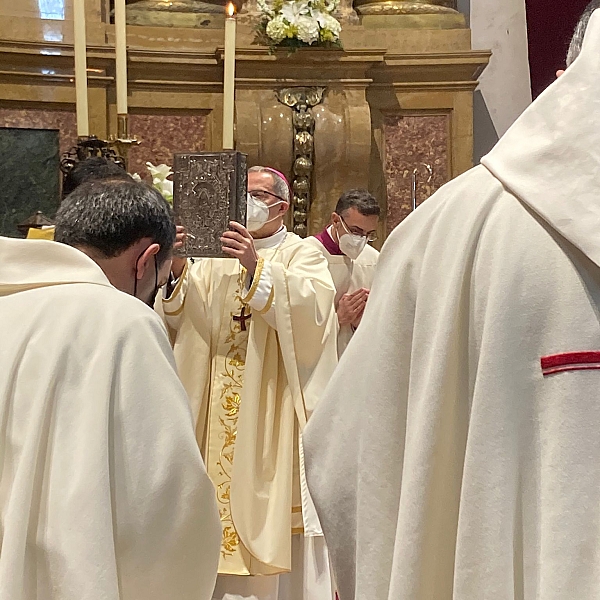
(209, 191)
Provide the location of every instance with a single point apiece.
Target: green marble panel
(29, 160)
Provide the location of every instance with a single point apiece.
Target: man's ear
(146, 260)
(284, 207)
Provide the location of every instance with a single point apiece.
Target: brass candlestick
(123, 142)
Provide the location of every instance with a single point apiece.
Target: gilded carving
(405, 7)
(301, 100)
(182, 6)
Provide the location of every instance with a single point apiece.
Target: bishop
(255, 342)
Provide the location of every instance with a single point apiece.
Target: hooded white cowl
(456, 452)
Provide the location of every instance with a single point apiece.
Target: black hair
(362, 200)
(110, 216)
(92, 169)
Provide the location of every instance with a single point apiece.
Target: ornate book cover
(209, 191)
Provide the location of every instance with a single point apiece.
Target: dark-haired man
(352, 261)
(101, 219)
(103, 493)
(93, 169)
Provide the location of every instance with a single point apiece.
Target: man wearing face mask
(352, 262)
(104, 492)
(255, 343)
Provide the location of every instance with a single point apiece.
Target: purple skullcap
(280, 174)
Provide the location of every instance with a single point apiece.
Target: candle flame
(230, 9)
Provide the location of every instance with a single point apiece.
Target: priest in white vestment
(352, 262)
(255, 344)
(103, 493)
(456, 453)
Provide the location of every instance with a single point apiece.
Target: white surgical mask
(257, 213)
(352, 244)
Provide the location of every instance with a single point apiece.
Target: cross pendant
(242, 318)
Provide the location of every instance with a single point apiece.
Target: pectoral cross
(242, 318)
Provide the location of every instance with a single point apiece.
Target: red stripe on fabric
(590, 367)
(569, 358)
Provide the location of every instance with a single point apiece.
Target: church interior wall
(31, 155)
(61, 118)
(394, 98)
(421, 139)
(164, 134)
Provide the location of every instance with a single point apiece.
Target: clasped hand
(352, 306)
(240, 244)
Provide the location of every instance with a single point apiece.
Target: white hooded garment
(103, 493)
(456, 453)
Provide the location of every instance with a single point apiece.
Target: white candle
(229, 78)
(121, 54)
(81, 95)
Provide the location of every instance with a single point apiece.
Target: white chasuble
(103, 494)
(456, 452)
(255, 357)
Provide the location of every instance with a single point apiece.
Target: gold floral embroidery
(235, 361)
(232, 405)
(230, 540)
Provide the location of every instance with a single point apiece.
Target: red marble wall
(32, 118)
(162, 135)
(411, 141)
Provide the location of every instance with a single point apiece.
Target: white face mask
(351, 244)
(257, 213)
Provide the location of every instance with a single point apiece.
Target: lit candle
(229, 77)
(81, 95)
(121, 54)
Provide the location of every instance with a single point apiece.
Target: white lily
(167, 188)
(136, 177)
(320, 16)
(291, 11)
(160, 172)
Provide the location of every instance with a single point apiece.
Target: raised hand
(240, 244)
(178, 264)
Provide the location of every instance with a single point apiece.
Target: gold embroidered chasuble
(252, 384)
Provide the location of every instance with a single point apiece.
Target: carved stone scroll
(301, 100)
(209, 191)
(405, 7)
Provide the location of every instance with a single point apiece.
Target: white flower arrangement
(297, 23)
(160, 181)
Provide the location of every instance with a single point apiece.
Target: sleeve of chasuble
(171, 307)
(165, 519)
(259, 293)
(303, 302)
